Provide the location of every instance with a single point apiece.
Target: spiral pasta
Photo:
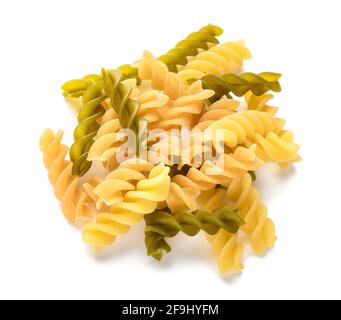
(240, 127)
(182, 198)
(76, 88)
(184, 110)
(152, 105)
(75, 203)
(228, 250)
(279, 148)
(149, 68)
(87, 128)
(225, 58)
(174, 146)
(217, 110)
(212, 174)
(259, 103)
(161, 224)
(190, 47)
(257, 225)
(239, 85)
(137, 202)
(212, 199)
(119, 91)
(107, 142)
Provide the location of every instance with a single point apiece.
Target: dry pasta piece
(194, 43)
(216, 111)
(75, 202)
(212, 174)
(136, 202)
(152, 69)
(240, 127)
(161, 224)
(212, 199)
(259, 103)
(225, 58)
(279, 148)
(257, 224)
(107, 142)
(182, 198)
(184, 111)
(228, 251)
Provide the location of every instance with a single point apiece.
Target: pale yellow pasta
(212, 199)
(183, 111)
(167, 150)
(89, 187)
(149, 68)
(111, 190)
(109, 114)
(129, 207)
(224, 58)
(182, 198)
(75, 203)
(241, 127)
(193, 151)
(107, 142)
(279, 148)
(216, 111)
(210, 174)
(259, 103)
(151, 105)
(257, 224)
(228, 251)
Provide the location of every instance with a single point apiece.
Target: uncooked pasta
(176, 142)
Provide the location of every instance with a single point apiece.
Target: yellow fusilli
(74, 201)
(224, 58)
(129, 208)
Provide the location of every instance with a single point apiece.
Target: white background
(44, 43)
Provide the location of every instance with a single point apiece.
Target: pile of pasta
(199, 85)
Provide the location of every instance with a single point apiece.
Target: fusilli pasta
(239, 85)
(161, 224)
(176, 142)
(257, 225)
(135, 203)
(87, 128)
(225, 58)
(74, 202)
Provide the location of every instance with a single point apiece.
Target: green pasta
(126, 108)
(87, 127)
(239, 85)
(176, 56)
(162, 224)
(76, 88)
(190, 46)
